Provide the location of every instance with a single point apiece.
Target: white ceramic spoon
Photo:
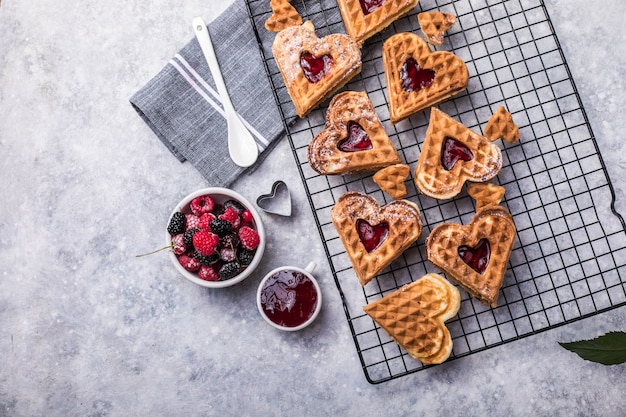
(241, 145)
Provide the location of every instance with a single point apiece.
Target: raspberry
(229, 270)
(249, 238)
(178, 244)
(206, 259)
(207, 273)
(188, 236)
(246, 216)
(235, 205)
(177, 223)
(201, 205)
(193, 222)
(189, 263)
(204, 223)
(231, 216)
(205, 242)
(221, 227)
(245, 256)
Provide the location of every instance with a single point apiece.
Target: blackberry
(236, 205)
(229, 270)
(245, 256)
(221, 227)
(228, 254)
(230, 241)
(188, 237)
(177, 223)
(206, 259)
(218, 210)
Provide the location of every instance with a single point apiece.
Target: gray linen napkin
(182, 107)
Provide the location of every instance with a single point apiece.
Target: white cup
(279, 291)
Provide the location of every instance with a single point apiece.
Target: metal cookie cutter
(278, 201)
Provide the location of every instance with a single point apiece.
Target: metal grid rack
(569, 258)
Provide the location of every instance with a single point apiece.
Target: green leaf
(609, 349)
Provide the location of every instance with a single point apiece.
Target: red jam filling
(315, 68)
(413, 77)
(289, 298)
(371, 236)
(453, 151)
(357, 140)
(478, 256)
(368, 6)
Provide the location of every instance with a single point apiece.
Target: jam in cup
(289, 298)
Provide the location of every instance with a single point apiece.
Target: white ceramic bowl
(219, 195)
(308, 273)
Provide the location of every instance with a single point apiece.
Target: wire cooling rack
(569, 258)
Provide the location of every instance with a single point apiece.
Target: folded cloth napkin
(182, 107)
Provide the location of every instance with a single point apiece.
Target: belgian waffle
(414, 317)
(391, 179)
(341, 56)
(436, 180)
(405, 53)
(434, 24)
(401, 217)
(362, 22)
(283, 16)
(475, 255)
(351, 112)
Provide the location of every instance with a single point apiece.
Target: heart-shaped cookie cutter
(278, 201)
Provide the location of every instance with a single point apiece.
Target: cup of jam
(289, 298)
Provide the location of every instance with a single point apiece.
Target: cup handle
(310, 267)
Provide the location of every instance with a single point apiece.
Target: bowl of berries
(216, 236)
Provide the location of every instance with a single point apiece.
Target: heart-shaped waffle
(475, 255)
(414, 317)
(314, 68)
(365, 18)
(418, 78)
(354, 212)
(283, 16)
(353, 140)
(452, 154)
